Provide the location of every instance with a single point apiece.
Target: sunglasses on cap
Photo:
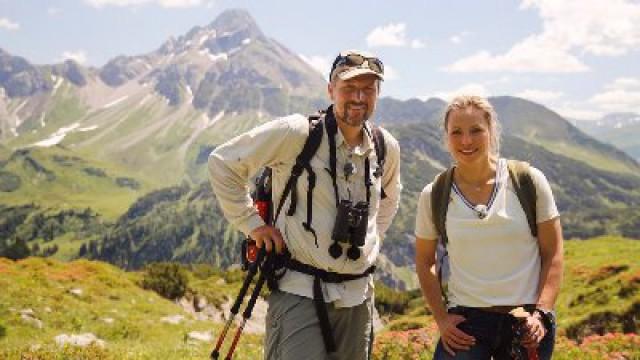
(373, 63)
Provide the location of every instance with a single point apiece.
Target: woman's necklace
(481, 210)
(476, 186)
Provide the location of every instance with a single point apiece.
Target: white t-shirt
(494, 260)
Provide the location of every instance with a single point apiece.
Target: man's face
(354, 100)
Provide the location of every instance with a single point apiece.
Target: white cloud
(79, 56)
(390, 73)
(524, 57)
(577, 111)
(320, 63)
(417, 44)
(458, 38)
(162, 3)
(569, 28)
(53, 11)
(8, 24)
(392, 35)
(622, 95)
(540, 95)
(467, 89)
(624, 84)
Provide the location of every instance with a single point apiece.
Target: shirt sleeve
(390, 183)
(233, 163)
(545, 204)
(425, 228)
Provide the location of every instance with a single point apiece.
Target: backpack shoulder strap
(525, 190)
(379, 145)
(381, 152)
(440, 193)
(311, 145)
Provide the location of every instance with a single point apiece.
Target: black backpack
(317, 124)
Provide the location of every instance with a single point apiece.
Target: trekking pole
(253, 269)
(246, 315)
(251, 255)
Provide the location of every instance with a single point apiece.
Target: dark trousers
(494, 334)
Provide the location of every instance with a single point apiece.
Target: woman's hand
(534, 331)
(454, 339)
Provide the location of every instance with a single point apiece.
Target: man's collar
(367, 142)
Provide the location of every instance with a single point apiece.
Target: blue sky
(580, 58)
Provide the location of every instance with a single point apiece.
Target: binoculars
(350, 228)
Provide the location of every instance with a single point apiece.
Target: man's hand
(268, 236)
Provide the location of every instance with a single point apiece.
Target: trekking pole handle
(253, 269)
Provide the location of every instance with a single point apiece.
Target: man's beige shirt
(277, 144)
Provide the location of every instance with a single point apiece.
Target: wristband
(548, 318)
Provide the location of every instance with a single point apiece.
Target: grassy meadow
(42, 298)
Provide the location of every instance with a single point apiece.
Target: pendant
(481, 211)
(349, 169)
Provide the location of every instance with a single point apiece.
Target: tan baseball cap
(351, 63)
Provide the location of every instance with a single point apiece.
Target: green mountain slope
(621, 130)
(541, 126)
(592, 202)
(59, 178)
(173, 224)
(626, 138)
(184, 224)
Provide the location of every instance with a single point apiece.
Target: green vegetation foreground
(598, 311)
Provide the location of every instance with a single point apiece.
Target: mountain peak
(236, 21)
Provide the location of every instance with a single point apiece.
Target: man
(324, 305)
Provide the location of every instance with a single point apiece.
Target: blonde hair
(473, 101)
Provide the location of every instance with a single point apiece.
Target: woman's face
(468, 135)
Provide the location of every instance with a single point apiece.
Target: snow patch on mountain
(115, 102)
(20, 106)
(57, 82)
(216, 118)
(213, 57)
(88, 128)
(189, 93)
(58, 136)
(209, 35)
(144, 99)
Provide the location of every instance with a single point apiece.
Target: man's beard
(358, 120)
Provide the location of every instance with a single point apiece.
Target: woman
(496, 264)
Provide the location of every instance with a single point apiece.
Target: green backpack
(440, 197)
